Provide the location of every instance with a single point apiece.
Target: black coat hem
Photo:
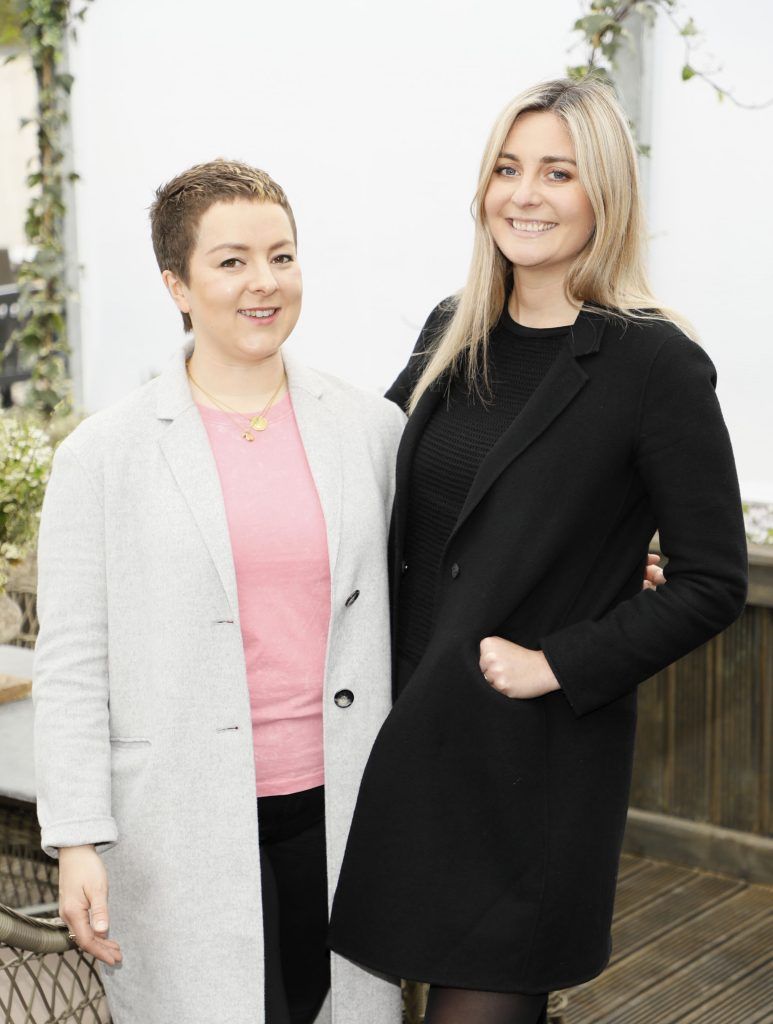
(554, 985)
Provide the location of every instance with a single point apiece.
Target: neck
(245, 386)
(539, 299)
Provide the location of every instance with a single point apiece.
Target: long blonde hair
(608, 274)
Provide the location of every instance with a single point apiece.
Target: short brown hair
(180, 204)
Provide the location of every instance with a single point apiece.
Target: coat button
(344, 698)
(455, 570)
(352, 598)
(403, 568)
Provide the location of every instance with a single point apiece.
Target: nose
(262, 279)
(526, 192)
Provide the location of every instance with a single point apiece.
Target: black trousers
(294, 872)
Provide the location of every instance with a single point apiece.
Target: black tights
(466, 1006)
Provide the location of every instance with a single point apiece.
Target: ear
(176, 288)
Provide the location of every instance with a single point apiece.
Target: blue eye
(563, 175)
(506, 172)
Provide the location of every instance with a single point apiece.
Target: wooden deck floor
(689, 948)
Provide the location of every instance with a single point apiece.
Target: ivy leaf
(689, 28)
(687, 73)
(595, 24)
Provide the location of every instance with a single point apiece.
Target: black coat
(486, 838)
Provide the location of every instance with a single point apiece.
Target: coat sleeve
(401, 390)
(684, 457)
(70, 683)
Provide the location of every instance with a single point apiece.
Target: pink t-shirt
(280, 555)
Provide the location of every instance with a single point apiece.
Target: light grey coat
(143, 731)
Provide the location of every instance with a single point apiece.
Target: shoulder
(356, 406)
(439, 318)
(657, 344)
(115, 426)
(429, 336)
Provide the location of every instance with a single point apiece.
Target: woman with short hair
(213, 659)
(559, 415)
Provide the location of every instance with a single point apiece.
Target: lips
(265, 313)
(533, 227)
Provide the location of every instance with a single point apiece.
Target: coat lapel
(561, 383)
(322, 443)
(186, 448)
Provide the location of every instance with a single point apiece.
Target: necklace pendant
(259, 423)
(248, 436)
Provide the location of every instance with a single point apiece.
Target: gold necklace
(258, 422)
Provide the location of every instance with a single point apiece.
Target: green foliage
(603, 34)
(10, 23)
(25, 465)
(42, 334)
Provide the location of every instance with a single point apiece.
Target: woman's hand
(653, 574)
(83, 902)
(514, 670)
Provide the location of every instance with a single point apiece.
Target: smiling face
(244, 286)
(538, 213)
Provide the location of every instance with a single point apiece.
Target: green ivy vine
(603, 30)
(44, 26)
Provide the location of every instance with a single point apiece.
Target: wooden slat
(691, 736)
(749, 1000)
(766, 720)
(648, 789)
(700, 982)
(629, 865)
(654, 881)
(14, 688)
(656, 917)
(682, 956)
(737, 720)
(704, 749)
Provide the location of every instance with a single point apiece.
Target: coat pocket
(130, 760)
(472, 670)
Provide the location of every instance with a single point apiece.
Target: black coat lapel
(561, 383)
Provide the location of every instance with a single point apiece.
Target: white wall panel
(373, 118)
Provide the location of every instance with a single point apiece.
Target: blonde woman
(559, 415)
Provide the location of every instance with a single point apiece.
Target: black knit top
(459, 434)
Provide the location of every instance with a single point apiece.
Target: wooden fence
(705, 746)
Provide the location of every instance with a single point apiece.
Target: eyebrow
(241, 247)
(543, 160)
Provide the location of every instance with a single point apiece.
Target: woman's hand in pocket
(514, 670)
(653, 574)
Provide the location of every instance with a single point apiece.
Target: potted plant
(25, 464)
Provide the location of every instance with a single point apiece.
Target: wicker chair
(44, 979)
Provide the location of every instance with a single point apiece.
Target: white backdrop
(373, 118)
(711, 217)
